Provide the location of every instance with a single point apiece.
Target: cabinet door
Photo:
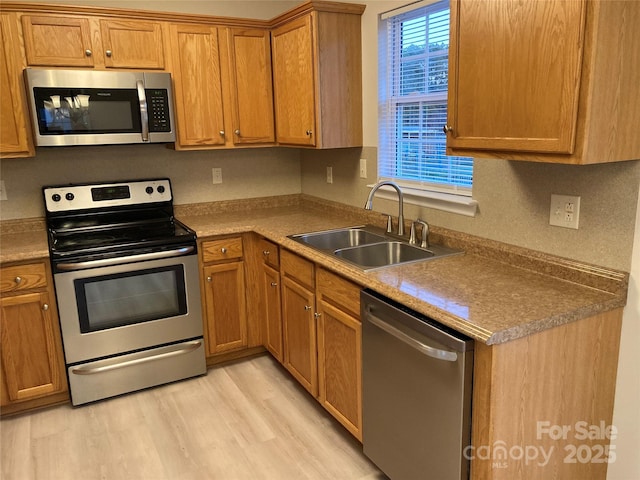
(132, 44)
(340, 366)
(300, 356)
(272, 311)
(514, 74)
(293, 82)
(14, 134)
(31, 360)
(57, 41)
(251, 86)
(226, 321)
(198, 91)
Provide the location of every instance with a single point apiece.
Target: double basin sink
(370, 248)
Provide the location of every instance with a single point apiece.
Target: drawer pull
(18, 280)
(109, 53)
(223, 250)
(88, 52)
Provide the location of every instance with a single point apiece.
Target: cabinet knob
(266, 253)
(309, 132)
(222, 133)
(45, 307)
(18, 280)
(274, 284)
(223, 249)
(108, 53)
(307, 307)
(317, 315)
(209, 279)
(447, 129)
(88, 52)
(237, 132)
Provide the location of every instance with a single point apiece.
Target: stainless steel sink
(383, 254)
(369, 248)
(342, 238)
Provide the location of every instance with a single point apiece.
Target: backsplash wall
(514, 200)
(246, 173)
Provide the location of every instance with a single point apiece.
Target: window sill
(459, 204)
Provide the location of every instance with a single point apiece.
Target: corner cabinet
(33, 371)
(551, 81)
(317, 76)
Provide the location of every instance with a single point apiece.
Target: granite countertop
(493, 293)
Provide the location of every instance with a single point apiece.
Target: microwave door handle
(144, 111)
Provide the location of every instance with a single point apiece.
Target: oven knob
(160, 188)
(69, 196)
(149, 190)
(56, 197)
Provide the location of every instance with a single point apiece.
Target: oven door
(115, 309)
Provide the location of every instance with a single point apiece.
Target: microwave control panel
(158, 104)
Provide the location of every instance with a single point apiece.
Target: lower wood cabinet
(224, 295)
(299, 321)
(33, 371)
(322, 337)
(271, 298)
(340, 349)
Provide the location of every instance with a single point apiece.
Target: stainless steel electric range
(127, 286)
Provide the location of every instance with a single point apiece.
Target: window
(413, 78)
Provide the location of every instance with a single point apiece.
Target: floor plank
(244, 420)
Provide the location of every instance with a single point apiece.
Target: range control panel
(65, 198)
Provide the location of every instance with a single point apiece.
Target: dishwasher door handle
(436, 353)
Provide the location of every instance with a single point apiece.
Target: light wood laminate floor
(245, 420)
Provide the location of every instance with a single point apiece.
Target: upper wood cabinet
(223, 86)
(198, 86)
(70, 41)
(15, 137)
(317, 76)
(551, 81)
(250, 86)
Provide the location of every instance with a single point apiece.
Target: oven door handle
(107, 262)
(144, 111)
(88, 370)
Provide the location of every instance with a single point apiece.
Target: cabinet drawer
(23, 277)
(270, 253)
(298, 268)
(339, 291)
(224, 249)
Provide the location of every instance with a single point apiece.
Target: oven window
(127, 298)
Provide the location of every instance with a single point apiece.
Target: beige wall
(245, 173)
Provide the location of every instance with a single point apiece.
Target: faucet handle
(389, 224)
(412, 234)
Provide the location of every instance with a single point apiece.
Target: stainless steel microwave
(86, 107)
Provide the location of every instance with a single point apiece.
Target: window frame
(448, 196)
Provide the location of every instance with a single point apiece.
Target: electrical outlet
(3, 191)
(564, 211)
(363, 168)
(217, 175)
(329, 174)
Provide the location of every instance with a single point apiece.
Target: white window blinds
(413, 59)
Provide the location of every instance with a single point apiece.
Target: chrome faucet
(425, 233)
(369, 204)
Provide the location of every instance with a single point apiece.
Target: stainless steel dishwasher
(416, 399)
